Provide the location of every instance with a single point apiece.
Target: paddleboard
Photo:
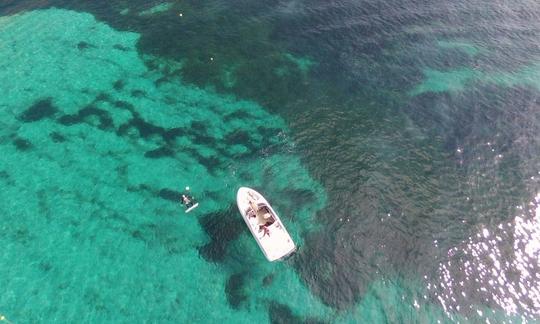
(192, 207)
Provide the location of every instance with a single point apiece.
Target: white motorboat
(264, 224)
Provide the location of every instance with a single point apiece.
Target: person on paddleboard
(188, 201)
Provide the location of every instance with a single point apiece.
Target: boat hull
(265, 225)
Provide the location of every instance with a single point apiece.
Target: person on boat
(253, 206)
(265, 230)
(251, 214)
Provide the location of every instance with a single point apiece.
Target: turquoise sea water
(398, 142)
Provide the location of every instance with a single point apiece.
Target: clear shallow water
(398, 140)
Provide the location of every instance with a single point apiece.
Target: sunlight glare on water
(499, 266)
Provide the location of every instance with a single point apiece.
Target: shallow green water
(94, 232)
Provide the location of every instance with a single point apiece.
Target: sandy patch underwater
(95, 148)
